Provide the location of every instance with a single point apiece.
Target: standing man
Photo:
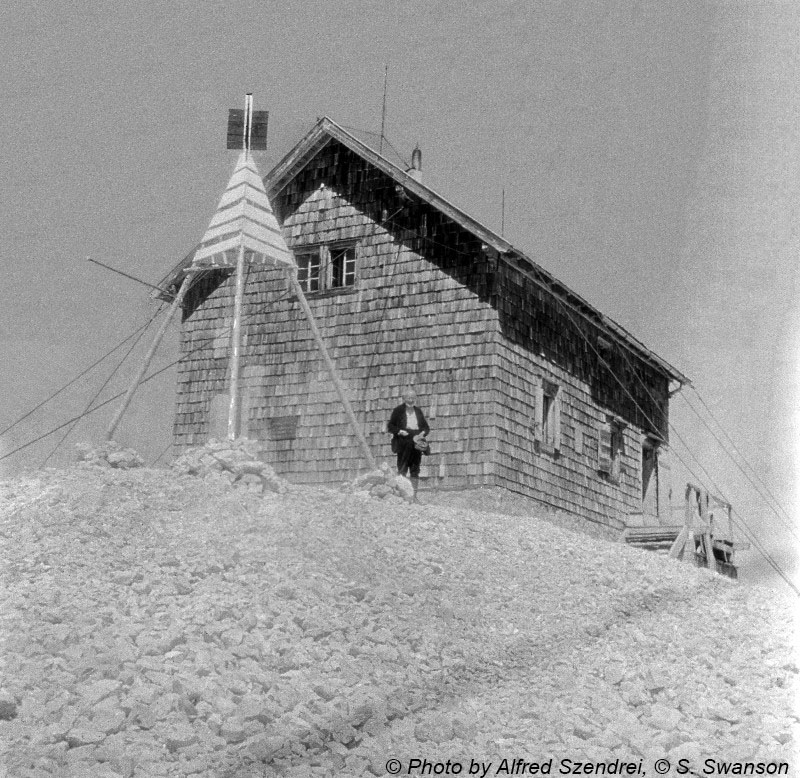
(408, 428)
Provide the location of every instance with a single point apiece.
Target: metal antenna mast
(383, 112)
(236, 333)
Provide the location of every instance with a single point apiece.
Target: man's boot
(415, 483)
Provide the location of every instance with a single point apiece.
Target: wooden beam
(676, 549)
(711, 561)
(679, 546)
(236, 343)
(126, 401)
(705, 518)
(729, 511)
(331, 369)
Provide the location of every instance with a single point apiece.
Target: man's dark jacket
(397, 422)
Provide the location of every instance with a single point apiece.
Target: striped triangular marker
(244, 217)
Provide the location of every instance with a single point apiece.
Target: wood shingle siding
(487, 343)
(405, 321)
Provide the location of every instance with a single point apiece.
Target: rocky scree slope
(164, 625)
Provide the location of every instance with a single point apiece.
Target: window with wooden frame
(547, 417)
(326, 267)
(610, 447)
(308, 270)
(342, 260)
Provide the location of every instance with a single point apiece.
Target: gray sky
(648, 150)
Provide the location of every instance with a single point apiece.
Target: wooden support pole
(709, 550)
(708, 543)
(236, 347)
(676, 549)
(690, 523)
(729, 511)
(331, 369)
(126, 401)
(711, 561)
(689, 514)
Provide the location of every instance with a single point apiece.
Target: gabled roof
(325, 131)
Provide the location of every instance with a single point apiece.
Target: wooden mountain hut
(525, 385)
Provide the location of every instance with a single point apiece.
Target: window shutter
(604, 451)
(557, 422)
(617, 446)
(538, 408)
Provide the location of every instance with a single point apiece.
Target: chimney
(415, 171)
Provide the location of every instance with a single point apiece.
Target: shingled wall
(408, 320)
(431, 307)
(544, 339)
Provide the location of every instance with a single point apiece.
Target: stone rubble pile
(237, 459)
(160, 626)
(383, 484)
(108, 454)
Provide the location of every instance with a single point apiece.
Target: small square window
(324, 267)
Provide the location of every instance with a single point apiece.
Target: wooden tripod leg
(126, 401)
(332, 370)
(236, 348)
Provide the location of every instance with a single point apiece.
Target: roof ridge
(313, 142)
(325, 129)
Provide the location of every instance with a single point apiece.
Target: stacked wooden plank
(652, 538)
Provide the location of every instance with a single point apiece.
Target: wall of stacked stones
(541, 342)
(419, 314)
